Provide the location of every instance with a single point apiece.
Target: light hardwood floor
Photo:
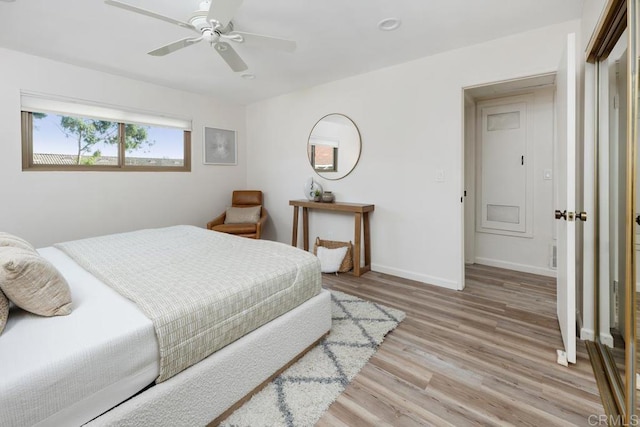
(482, 356)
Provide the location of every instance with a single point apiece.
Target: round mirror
(334, 146)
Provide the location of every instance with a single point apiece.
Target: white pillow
(330, 259)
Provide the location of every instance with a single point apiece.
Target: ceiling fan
(212, 22)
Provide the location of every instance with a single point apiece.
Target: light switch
(548, 174)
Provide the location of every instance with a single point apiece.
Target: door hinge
(522, 160)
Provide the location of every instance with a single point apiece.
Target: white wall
(591, 11)
(410, 117)
(530, 254)
(48, 207)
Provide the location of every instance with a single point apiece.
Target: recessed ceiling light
(389, 24)
(248, 76)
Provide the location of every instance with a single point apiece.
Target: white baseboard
(587, 334)
(411, 275)
(517, 267)
(606, 339)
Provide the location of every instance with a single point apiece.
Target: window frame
(26, 118)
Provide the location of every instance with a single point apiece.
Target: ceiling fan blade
(269, 42)
(222, 11)
(146, 12)
(172, 47)
(230, 56)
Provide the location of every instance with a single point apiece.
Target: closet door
(614, 51)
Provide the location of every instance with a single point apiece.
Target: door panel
(503, 170)
(566, 146)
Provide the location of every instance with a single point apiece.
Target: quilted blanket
(202, 289)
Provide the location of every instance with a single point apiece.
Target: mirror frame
(321, 174)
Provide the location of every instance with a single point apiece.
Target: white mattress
(64, 370)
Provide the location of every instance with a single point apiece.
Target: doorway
(508, 175)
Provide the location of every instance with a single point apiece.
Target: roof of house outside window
(70, 159)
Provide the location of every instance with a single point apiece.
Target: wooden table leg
(356, 244)
(294, 234)
(305, 228)
(367, 243)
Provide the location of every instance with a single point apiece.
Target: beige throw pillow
(249, 215)
(7, 239)
(33, 283)
(4, 311)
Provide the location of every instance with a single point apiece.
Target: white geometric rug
(300, 395)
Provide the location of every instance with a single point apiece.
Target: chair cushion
(236, 228)
(249, 215)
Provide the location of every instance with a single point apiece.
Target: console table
(361, 214)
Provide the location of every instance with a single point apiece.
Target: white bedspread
(202, 289)
(57, 371)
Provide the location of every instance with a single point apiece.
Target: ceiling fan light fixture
(213, 23)
(389, 24)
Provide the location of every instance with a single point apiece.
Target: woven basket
(347, 262)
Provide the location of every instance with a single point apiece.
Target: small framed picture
(220, 147)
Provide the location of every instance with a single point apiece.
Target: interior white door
(566, 192)
(503, 173)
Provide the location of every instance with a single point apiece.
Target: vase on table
(328, 197)
(311, 187)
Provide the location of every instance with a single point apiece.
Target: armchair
(242, 199)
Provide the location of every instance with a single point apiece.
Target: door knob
(562, 214)
(582, 216)
(638, 220)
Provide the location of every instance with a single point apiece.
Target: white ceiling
(336, 38)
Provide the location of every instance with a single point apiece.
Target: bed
(103, 364)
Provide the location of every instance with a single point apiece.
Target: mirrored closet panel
(612, 72)
(617, 202)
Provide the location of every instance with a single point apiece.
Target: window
(323, 158)
(64, 135)
(323, 154)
